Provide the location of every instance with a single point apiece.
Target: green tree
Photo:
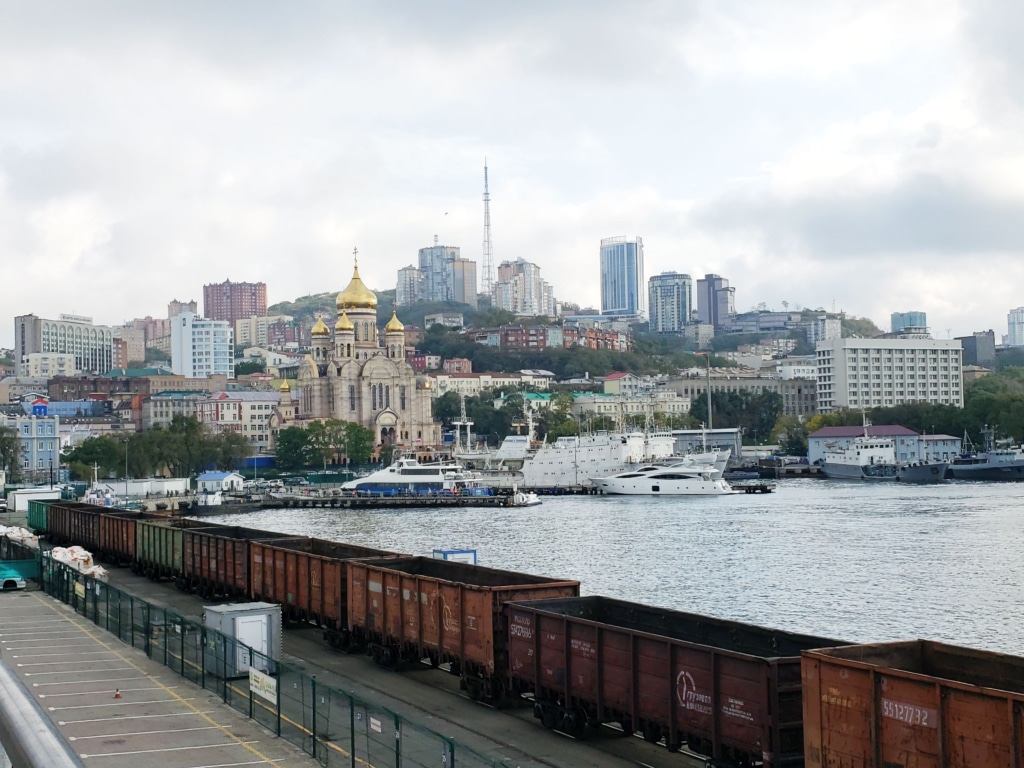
(318, 444)
(154, 355)
(250, 366)
(358, 443)
(290, 448)
(231, 449)
(10, 454)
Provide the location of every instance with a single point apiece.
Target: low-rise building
(457, 365)
(447, 319)
(13, 389)
(214, 482)
(39, 441)
(247, 413)
(472, 384)
(46, 364)
(160, 408)
(910, 446)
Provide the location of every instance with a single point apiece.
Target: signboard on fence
(263, 685)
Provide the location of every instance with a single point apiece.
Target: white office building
(201, 347)
(873, 373)
(1015, 321)
(521, 290)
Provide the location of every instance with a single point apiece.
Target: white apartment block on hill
(872, 373)
(201, 347)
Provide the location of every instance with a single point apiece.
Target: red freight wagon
(727, 690)
(916, 704)
(215, 559)
(307, 577)
(76, 524)
(117, 537)
(416, 608)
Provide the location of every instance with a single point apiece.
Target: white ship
(673, 479)
(406, 476)
(571, 462)
(874, 458)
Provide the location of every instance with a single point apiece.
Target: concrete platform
(116, 707)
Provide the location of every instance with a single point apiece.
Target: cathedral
(351, 376)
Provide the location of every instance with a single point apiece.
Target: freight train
(738, 694)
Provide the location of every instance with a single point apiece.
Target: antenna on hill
(488, 256)
(949, 333)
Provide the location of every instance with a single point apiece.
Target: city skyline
(858, 158)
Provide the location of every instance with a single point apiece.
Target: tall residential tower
(670, 302)
(622, 277)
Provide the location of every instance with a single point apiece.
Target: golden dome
(320, 328)
(394, 324)
(357, 295)
(286, 387)
(344, 324)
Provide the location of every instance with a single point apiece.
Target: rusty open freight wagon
(73, 523)
(216, 559)
(415, 608)
(727, 690)
(309, 578)
(916, 704)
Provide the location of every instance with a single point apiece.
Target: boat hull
(983, 471)
(932, 472)
(643, 486)
(873, 472)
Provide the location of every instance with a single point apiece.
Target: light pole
(126, 470)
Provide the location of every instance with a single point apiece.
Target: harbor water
(848, 560)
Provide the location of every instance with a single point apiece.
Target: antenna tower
(488, 260)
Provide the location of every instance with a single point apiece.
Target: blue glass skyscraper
(622, 277)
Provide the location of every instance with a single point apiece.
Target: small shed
(211, 482)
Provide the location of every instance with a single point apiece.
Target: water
(853, 561)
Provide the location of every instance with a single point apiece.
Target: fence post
(278, 689)
(250, 687)
(131, 607)
(312, 729)
(181, 624)
(352, 727)
(106, 599)
(398, 742)
(202, 657)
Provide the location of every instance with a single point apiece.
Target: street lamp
(126, 470)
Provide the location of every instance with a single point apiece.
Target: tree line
(323, 443)
(182, 448)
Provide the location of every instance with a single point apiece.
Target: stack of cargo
(21, 535)
(17, 543)
(79, 559)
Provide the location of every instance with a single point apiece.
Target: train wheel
(673, 746)
(549, 719)
(627, 727)
(651, 732)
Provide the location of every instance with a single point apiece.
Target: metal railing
(336, 727)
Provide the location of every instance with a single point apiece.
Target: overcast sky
(857, 154)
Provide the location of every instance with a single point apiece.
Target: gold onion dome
(286, 387)
(344, 324)
(394, 324)
(357, 295)
(320, 328)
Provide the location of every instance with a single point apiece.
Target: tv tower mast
(488, 260)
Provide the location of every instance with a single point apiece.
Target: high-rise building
(909, 322)
(622, 276)
(670, 302)
(716, 301)
(979, 349)
(176, 307)
(436, 266)
(1015, 321)
(92, 345)
(202, 347)
(821, 327)
(411, 287)
(885, 372)
(464, 282)
(234, 301)
(521, 290)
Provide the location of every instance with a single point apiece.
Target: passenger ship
(407, 476)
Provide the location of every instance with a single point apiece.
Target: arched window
(401, 396)
(373, 396)
(351, 397)
(387, 396)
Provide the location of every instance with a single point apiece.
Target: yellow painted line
(180, 699)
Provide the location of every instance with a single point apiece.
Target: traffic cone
(117, 693)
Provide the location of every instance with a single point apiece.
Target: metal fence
(335, 727)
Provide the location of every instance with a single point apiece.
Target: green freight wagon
(37, 514)
(158, 546)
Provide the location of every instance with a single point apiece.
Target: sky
(864, 156)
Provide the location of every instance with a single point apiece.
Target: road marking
(93, 693)
(112, 669)
(139, 717)
(141, 733)
(169, 749)
(48, 647)
(47, 655)
(232, 765)
(33, 634)
(118, 704)
(83, 682)
(55, 663)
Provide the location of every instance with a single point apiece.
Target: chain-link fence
(335, 727)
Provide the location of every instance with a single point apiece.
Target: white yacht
(675, 479)
(407, 476)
